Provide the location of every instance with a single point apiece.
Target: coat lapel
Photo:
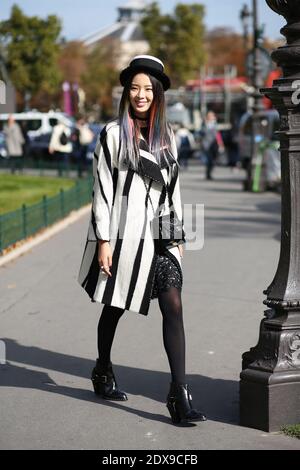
(148, 164)
(150, 168)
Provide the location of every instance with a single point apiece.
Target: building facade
(126, 31)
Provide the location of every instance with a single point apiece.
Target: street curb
(47, 233)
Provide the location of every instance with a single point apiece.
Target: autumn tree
(72, 61)
(225, 47)
(101, 76)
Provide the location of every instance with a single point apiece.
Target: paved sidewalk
(49, 328)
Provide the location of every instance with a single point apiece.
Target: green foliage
(156, 28)
(177, 39)
(293, 430)
(30, 47)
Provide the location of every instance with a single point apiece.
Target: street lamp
(257, 66)
(270, 380)
(244, 17)
(257, 81)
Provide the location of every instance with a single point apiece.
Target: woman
(135, 174)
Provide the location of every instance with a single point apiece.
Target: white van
(36, 123)
(37, 127)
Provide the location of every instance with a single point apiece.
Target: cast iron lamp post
(257, 83)
(244, 16)
(270, 380)
(255, 73)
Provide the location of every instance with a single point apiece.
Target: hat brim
(130, 72)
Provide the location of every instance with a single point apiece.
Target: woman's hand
(105, 256)
(180, 248)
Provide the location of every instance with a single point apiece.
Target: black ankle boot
(104, 383)
(179, 404)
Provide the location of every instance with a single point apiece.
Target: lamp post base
(270, 379)
(269, 401)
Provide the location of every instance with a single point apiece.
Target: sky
(81, 17)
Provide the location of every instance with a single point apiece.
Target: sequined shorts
(167, 274)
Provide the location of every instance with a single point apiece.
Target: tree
(101, 76)
(177, 39)
(225, 47)
(187, 38)
(30, 46)
(156, 29)
(72, 61)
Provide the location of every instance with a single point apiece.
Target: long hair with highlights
(159, 129)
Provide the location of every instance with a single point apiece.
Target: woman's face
(141, 94)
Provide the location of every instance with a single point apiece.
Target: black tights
(173, 331)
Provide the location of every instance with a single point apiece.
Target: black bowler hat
(148, 64)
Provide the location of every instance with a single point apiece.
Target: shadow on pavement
(217, 398)
(262, 221)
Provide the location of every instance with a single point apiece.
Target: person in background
(185, 144)
(81, 138)
(14, 143)
(212, 142)
(60, 145)
(232, 148)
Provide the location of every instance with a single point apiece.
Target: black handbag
(167, 230)
(63, 139)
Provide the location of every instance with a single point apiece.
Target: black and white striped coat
(121, 213)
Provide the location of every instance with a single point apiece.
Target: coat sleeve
(174, 188)
(103, 188)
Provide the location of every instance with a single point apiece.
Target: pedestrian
(82, 136)
(211, 142)
(230, 140)
(61, 146)
(124, 264)
(185, 144)
(14, 141)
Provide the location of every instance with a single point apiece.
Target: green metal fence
(27, 220)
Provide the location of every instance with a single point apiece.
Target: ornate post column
(257, 82)
(270, 380)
